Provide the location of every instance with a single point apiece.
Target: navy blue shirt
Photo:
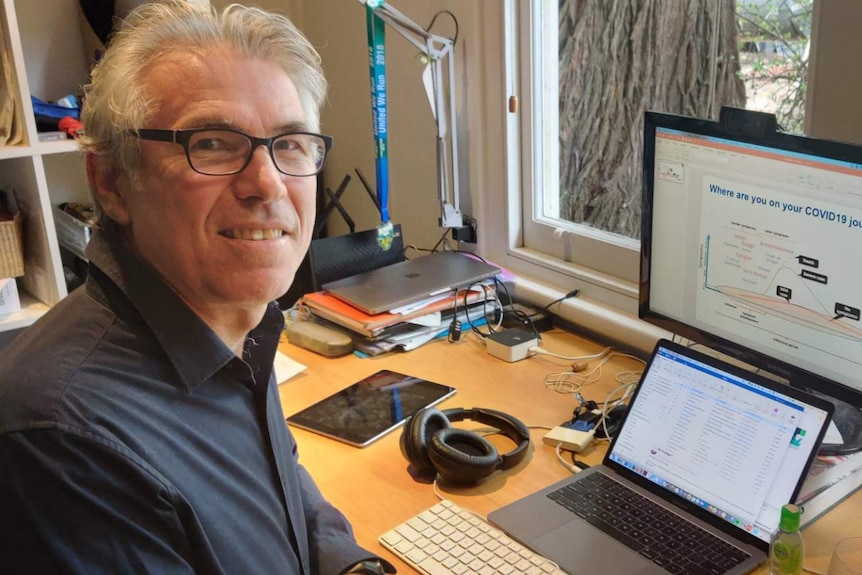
(133, 440)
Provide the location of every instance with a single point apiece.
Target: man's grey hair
(115, 100)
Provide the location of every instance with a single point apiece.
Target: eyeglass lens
(219, 152)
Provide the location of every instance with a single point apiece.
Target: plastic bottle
(786, 549)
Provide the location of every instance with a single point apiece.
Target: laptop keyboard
(663, 537)
(448, 540)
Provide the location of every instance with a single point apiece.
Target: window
(586, 71)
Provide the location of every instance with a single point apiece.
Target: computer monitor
(751, 244)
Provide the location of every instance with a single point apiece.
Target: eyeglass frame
(183, 137)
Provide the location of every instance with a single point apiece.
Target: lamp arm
(436, 48)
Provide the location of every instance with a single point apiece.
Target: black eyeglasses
(223, 151)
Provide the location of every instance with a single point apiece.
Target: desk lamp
(435, 50)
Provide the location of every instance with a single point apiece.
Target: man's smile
(253, 234)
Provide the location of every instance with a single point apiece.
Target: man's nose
(261, 178)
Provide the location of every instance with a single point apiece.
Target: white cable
(538, 350)
(628, 377)
(623, 354)
(563, 462)
(437, 491)
(498, 305)
(297, 312)
(609, 404)
(562, 383)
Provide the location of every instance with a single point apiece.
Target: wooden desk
(372, 487)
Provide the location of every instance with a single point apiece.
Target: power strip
(569, 439)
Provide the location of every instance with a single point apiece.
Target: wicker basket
(12, 247)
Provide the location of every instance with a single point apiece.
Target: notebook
(387, 288)
(711, 451)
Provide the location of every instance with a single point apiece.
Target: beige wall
(337, 30)
(833, 108)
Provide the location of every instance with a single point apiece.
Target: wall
(337, 28)
(832, 108)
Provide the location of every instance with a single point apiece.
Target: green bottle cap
(790, 515)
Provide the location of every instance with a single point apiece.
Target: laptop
(693, 481)
(390, 287)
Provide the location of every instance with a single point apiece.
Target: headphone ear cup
(416, 437)
(462, 456)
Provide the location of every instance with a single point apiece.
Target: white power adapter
(569, 439)
(511, 344)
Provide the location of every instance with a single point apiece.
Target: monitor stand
(848, 419)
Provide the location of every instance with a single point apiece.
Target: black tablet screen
(369, 408)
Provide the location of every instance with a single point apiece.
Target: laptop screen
(734, 444)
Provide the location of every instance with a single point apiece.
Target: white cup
(847, 557)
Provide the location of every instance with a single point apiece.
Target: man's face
(222, 242)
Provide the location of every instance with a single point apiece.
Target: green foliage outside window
(773, 50)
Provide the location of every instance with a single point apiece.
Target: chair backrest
(337, 257)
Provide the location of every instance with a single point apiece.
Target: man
(140, 425)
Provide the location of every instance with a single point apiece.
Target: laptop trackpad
(581, 549)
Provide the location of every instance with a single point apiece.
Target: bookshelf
(46, 44)
(45, 48)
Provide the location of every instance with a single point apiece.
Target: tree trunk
(619, 58)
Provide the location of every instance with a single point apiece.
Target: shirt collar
(193, 348)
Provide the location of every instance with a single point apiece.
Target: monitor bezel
(795, 375)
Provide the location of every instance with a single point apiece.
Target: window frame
(561, 256)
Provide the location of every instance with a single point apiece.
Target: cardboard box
(9, 302)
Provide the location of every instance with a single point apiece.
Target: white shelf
(7, 152)
(58, 147)
(40, 149)
(45, 45)
(31, 310)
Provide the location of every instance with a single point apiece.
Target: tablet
(370, 408)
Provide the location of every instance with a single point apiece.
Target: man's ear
(105, 186)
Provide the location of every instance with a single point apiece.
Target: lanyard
(379, 117)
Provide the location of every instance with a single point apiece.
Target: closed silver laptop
(399, 284)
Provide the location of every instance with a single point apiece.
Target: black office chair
(332, 258)
(338, 257)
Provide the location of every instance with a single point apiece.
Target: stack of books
(407, 328)
(829, 481)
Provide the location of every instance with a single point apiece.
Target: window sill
(590, 315)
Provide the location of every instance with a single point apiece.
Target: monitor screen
(752, 245)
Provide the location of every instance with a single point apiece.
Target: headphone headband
(434, 447)
(510, 426)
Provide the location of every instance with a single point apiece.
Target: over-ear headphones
(433, 446)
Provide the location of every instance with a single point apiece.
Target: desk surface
(372, 486)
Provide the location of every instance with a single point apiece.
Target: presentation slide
(783, 270)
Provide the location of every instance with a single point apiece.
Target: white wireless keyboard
(448, 540)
